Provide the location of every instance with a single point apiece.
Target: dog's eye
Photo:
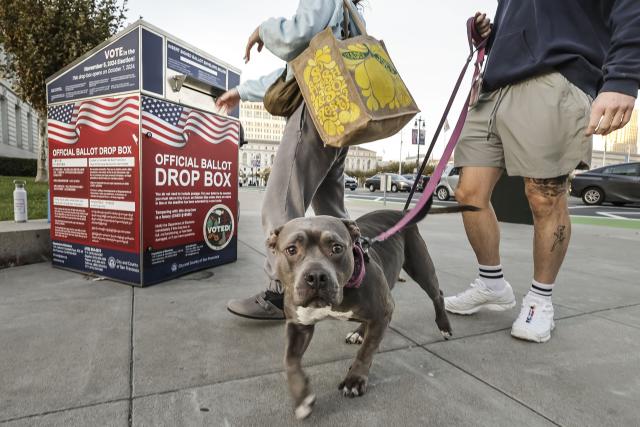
(291, 250)
(337, 249)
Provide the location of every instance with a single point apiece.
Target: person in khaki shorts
(557, 73)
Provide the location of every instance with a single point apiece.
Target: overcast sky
(426, 40)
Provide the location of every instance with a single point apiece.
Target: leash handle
(472, 37)
(422, 207)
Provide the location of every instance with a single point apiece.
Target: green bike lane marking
(633, 224)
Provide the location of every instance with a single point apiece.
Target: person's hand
(254, 39)
(228, 100)
(483, 24)
(609, 112)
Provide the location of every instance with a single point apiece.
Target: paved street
(576, 207)
(82, 352)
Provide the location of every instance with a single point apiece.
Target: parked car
(447, 186)
(350, 182)
(421, 184)
(409, 177)
(617, 184)
(398, 183)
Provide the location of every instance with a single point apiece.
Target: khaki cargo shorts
(534, 129)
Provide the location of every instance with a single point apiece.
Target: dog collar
(358, 267)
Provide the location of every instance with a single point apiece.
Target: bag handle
(355, 16)
(346, 33)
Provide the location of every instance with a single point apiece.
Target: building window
(30, 141)
(18, 125)
(4, 119)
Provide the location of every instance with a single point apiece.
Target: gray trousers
(304, 172)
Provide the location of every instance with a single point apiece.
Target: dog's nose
(316, 279)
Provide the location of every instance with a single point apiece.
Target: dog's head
(314, 258)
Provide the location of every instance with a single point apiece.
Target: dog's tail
(417, 214)
(452, 209)
(429, 209)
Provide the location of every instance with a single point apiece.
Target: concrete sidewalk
(80, 352)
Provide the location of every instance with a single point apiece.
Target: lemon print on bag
(376, 76)
(329, 93)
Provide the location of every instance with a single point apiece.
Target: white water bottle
(19, 202)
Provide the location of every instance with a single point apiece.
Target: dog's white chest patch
(311, 315)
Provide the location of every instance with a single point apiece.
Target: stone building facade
(18, 125)
(263, 133)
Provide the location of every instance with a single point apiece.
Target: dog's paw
(444, 325)
(353, 386)
(354, 338)
(446, 334)
(303, 410)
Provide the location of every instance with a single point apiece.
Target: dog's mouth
(316, 301)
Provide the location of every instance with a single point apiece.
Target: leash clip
(365, 244)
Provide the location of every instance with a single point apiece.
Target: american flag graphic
(171, 124)
(65, 121)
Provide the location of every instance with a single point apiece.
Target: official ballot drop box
(143, 170)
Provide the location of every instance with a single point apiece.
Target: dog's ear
(354, 230)
(272, 241)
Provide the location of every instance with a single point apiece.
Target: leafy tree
(407, 168)
(40, 37)
(391, 167)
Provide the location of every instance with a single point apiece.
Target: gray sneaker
(266, 305)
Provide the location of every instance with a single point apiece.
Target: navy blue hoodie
(595, 44)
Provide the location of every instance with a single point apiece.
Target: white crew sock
(492, 277)
(541, 290)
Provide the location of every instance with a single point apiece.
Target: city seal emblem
(218, 227)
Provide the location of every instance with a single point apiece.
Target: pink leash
(424, 204)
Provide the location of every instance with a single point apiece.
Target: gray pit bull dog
(314, 261)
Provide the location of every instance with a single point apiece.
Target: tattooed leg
(559, 237)
(552, 228)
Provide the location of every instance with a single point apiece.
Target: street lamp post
(418, 125)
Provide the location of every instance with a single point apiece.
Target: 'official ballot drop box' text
(143, 169)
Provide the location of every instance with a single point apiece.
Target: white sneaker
(535, 321)
(479, 297)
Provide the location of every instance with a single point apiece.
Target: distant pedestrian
(304, 171)
(535, 117)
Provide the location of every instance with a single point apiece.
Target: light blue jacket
(287, 38)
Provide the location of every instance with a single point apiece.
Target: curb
(24, 243)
